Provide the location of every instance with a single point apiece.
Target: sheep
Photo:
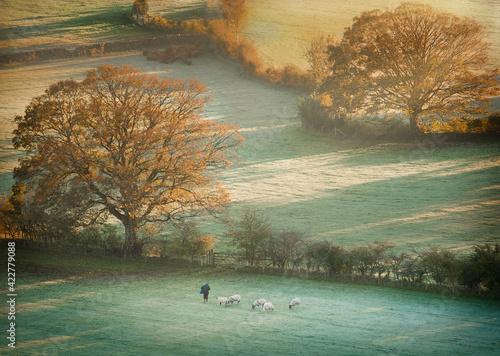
(268, 306)
(294, 303)
(258, 303)
(234, 298)
(222, 300)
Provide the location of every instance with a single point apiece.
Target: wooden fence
(212, 258)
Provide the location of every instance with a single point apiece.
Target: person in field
(205, 289)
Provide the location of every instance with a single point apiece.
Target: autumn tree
(236, 15)
(140, 8)
(317, 57)
(415, 60)
(126, 144)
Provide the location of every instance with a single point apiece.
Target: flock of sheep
(266, 306)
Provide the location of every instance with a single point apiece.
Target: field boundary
(98, 49)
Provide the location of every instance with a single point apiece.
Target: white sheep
(268, 306)
(258, 303)
(294, 303)
(222, 300)
(234, 298)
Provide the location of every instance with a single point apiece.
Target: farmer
(205, 290)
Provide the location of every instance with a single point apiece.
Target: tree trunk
(414, 128)
(131, 245)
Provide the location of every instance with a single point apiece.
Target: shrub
(224, 40)
(140, 8)
(378, 126)
(285, 247)
(489, 124)
(247, 55)
(492, 123)
(316, 254)
(174, 53)
(292, 76)
(314, 115)
(197, 27)
(187, 240)
(338, 260)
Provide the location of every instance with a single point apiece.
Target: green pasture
(345, 190)
(107, 308)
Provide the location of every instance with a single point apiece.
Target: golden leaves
(139, 144)
(414, 59)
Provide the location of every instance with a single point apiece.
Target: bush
(314, 115)
(185, 241)
(140, 8)
(196, 27)
(285, 247)
(250, 234)
(489, 124)
(247, 55)
(292, 76)
(492, 123)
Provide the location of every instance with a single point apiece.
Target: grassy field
(31, 24)
(132, 308)
(343, 190)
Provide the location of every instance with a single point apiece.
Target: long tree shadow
(455, 209)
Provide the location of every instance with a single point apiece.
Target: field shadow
(100, 24)
(455, 210)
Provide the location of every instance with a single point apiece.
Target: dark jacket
(205, 288)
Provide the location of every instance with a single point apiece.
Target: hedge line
(98, 49)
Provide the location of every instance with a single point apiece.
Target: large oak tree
(124, 143)
(413, 59)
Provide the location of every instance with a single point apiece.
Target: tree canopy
(126, 144)
(236, 14)
(413, 59)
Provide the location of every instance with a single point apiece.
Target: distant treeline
(432, 268)
(99, 48)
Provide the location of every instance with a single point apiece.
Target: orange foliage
(125, 143)
(413, 59)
